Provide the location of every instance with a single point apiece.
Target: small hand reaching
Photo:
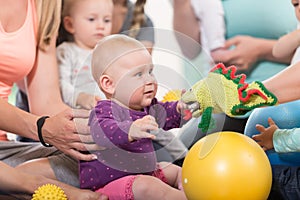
(141, 128)
(265, 138)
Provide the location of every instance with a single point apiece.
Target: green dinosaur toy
(224, 92)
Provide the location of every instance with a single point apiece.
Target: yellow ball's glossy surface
(226, 165)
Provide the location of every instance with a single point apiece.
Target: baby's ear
(106, 84)
(68, 24)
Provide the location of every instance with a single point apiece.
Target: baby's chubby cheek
(126, 90)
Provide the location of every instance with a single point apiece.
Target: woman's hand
(244, 51)
(68, 131)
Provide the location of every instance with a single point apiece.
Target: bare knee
(145, 186)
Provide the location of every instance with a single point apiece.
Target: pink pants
(121, 189)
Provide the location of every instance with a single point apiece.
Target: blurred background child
(130, 19)
(86, 21)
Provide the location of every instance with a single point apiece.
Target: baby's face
(135, 83)
(91, 20)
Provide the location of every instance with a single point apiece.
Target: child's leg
(142, 187)
(150, 187)
(172, 174)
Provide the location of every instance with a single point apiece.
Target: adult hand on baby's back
(70, 135)
(141, 128)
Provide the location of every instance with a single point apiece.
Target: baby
(124, 123)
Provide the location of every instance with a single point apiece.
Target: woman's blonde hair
(138, 18)
(48, 15)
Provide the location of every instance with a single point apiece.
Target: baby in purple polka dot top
(127, 168)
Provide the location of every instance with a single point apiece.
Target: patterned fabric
(109, 124)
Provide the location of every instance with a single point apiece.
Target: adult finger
(82, 125)
(86, 147)
(80, 156)
(231, 42)
(87, 139)
(80, 113)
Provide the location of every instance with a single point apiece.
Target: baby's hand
(140, 128)
(87, 101)
(265, 138)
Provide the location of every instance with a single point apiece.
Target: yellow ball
(49, 192)
(226, 165)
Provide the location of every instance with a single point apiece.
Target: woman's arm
(58, 130)
(62, 131)
(287, 45)
(12, 181)
(43, 85)
(286, 84)
(15, 120)
(186, 26)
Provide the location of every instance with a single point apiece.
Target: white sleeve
(211, 18)
(287, 140)
(64, 59)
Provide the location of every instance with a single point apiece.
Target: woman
(35, 27)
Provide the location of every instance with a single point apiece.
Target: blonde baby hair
(48, 15)
(109, 49)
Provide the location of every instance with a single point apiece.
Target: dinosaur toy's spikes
(222, 91)
(230, 74)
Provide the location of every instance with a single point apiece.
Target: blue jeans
(286, 183)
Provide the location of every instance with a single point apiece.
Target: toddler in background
(126, 123)
(87, 21)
